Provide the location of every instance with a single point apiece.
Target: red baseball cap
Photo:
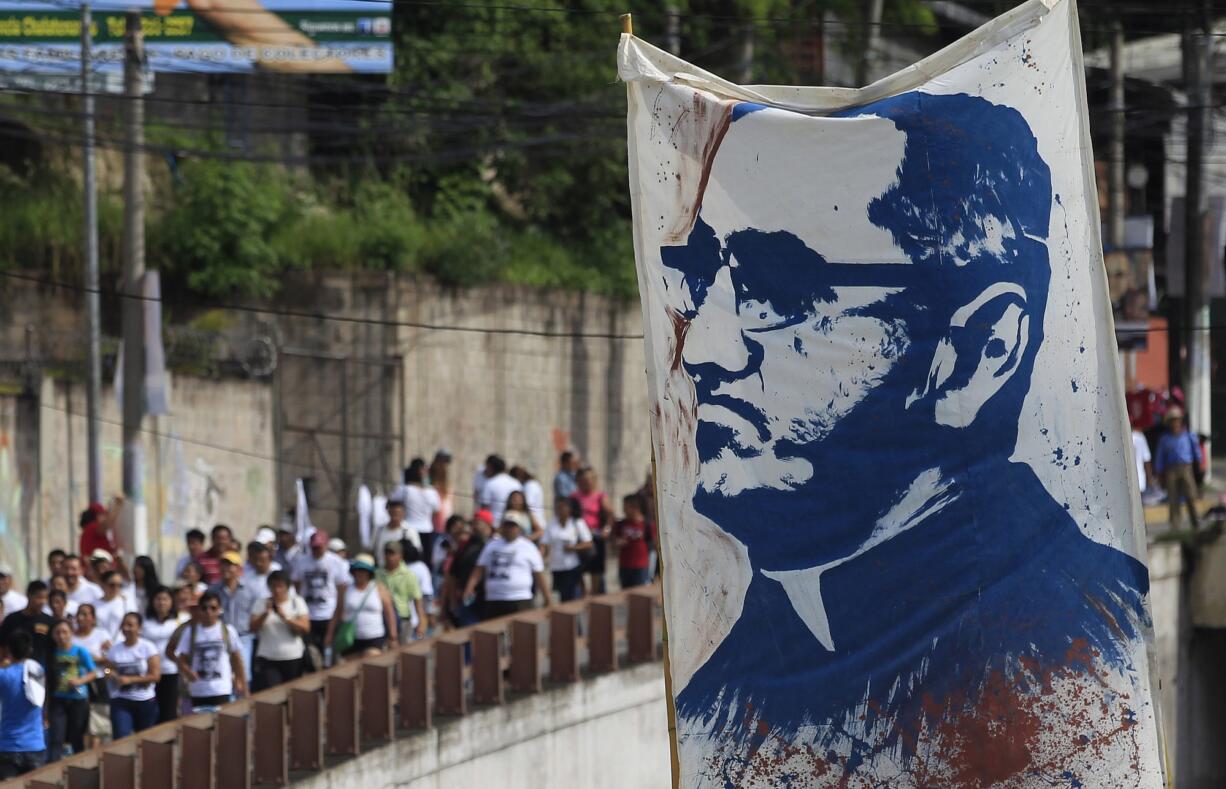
(485, 516)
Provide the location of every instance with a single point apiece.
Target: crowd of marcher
(99, 649)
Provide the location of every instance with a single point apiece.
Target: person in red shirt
(210, 560)
(95, 531)
(633, 536)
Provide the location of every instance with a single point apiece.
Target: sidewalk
(1157, 516)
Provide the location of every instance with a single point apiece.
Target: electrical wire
(320, 316)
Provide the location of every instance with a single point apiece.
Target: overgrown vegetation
(495, 152)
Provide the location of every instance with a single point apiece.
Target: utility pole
(93, 310)
(672, 34)
(1198, 55)
(1115, 164)
(872, 30)
(1115, 170)
(134, 534)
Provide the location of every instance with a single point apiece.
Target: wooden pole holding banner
(628, 29)
(669, 701)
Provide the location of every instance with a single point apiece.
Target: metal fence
(301, 726)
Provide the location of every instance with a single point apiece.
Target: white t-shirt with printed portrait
(318, 579)
(206, 648)
(132, 661)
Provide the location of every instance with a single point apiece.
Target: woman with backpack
(210, 658)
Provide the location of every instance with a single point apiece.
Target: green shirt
(402, 583)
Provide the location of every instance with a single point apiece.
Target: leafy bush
(41, 223)
(216, 232)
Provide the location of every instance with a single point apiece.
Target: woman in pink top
(596, 513)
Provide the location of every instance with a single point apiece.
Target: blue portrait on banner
(916, 592)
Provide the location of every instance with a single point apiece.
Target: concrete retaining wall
(210, 461)
(605, 733)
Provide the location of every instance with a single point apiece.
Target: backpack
(191, 640)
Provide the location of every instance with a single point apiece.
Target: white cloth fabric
(559, 537)
(364, 607)
(494, 494)
(318, 579)
(34, 682)
(132, 661)
(303, 528)
(509, 567)
(206, 648)
(365, 512)
(277, 640)
(1140, 451)
(420, 504)
(86, 592)
(159, 633)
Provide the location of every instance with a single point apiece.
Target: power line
(320, 316)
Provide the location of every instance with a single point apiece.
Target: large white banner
(902, 540)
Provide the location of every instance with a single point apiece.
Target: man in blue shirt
(1175, 463)
(22, 747)
(564, 484)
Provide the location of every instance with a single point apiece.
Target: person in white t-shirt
(395, 529)
(498, 485)
(420, 505)
(80, 590)
(509, 564)
(1140, 451)
(534, 494)
(159, 629)
(12, 599)
(280, 625)
(566, 537)
(320, 578)
(210, 658)
(110, 608)
(413, 560)
(134, 668)
(88, 636)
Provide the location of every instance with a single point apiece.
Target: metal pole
(1199, 56)
(134, 534)
(93, 310)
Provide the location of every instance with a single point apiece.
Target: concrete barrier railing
(303, 725)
